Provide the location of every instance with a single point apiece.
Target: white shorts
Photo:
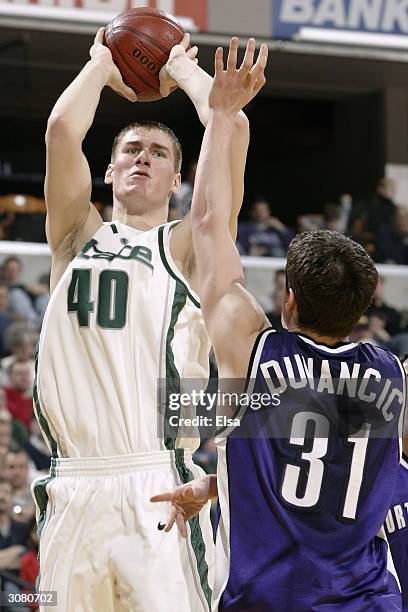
(101, 548)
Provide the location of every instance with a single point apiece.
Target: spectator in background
(362, 332)
(5, 317)
(274, 315)
(346, 206)
(6, 429)
(29, 561)
(392, 240)
(42, 296)
(36, 448)
(21, 338)
(20, 303)
(277, 300)
(387, 324)
(263, 235)
(18, 473)
(332, 217)
(13, 536)
(280, 279)
(370, 216)
(19, 392)
(174, 212)
(182, 199)
(393, 320)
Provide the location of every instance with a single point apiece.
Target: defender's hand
(115, 81)
(181, 62)
(186, 501)
(234, 88)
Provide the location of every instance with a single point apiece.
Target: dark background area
(309, 143)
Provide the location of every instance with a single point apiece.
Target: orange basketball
(140, 41)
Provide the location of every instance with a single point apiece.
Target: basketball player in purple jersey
(396, 523)
(302, 513)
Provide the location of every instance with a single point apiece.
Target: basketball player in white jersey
(123, 314)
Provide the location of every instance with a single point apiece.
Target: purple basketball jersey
(396, 526)
(305, 485)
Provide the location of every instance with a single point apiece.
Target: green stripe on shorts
(40, 417)
(197, 540)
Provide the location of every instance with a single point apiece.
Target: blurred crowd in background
(377, 222)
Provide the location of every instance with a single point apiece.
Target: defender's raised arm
(219, 267)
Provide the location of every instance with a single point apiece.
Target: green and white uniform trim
(120, 318)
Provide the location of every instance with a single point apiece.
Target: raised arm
(68, 179)
(196, 83)
(233, 318)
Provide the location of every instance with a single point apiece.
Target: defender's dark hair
(151, 125)
(333, 279)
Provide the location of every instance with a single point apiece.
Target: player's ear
(176, 183)
(108, 175)
(289, 307)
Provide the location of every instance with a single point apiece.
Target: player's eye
(134, 150)
(158, 154)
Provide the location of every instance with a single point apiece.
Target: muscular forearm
(75, 108)
(213, 179)
(197, 83)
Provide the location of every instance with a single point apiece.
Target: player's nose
(143, 157)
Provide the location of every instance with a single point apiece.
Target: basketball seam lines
(128, 28)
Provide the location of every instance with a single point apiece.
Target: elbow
(57, 128)
(202, 219)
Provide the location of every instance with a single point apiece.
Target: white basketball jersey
(121, 317)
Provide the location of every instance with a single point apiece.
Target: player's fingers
(232, 54)
(219, 62)
(186, 493)
(162, 497)
(192, 53)
(127, 93)
(171, 517)
(164, 89)
(185, 41)
(99, 36)
(248, 57)
(261, 61)
(181, 524)
(259, 83)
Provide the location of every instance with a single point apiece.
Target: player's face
(144, 168)
(20, 377)
(17, 466)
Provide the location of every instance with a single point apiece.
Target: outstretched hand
(115, 80)
(167, 74)
(234, 87)
(186, 501)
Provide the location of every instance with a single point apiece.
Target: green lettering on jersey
(112, 297)
(79, 293)
(142, 254)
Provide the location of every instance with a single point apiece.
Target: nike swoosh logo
(161, 526)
